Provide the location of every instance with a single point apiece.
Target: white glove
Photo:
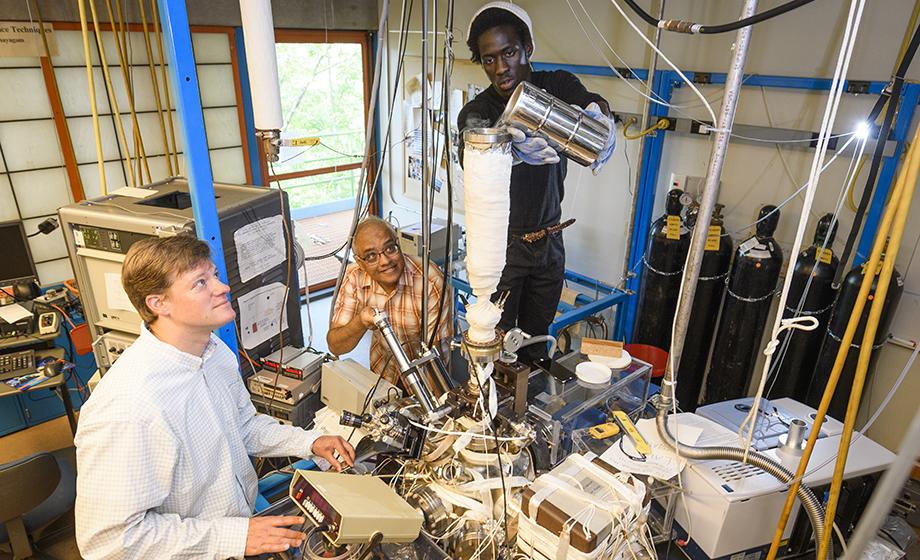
(533, 150)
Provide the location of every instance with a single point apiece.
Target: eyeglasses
(372, 257)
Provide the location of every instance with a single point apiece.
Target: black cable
(289, 252)
(754, 19)
(366, 186)
(892, 99)
(646, 17)
(686, 27)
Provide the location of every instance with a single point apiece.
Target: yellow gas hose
(123, 63)
(865, 351)
(661, 124)
(896, 208)
(156, 89)
(108, 84)
(92, 95)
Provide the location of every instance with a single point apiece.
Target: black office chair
(36, 491)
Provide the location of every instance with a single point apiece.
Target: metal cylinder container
(749, 294)
(815, 270)
(565, 127)
(837, 325)
(410, 374)
(710, 288)
(486, 139)
(663, 262)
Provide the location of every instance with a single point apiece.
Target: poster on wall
(25, 39)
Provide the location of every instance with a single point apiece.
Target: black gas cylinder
(710, 288)
(796, 359)
(836, 327)
(751, 286)
(669, 240)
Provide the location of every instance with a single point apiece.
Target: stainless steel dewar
(485, 139)
(565, 127)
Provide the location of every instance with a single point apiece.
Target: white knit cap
(516, 10)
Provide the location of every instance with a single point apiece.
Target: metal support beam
(182, 70)
(663, 86)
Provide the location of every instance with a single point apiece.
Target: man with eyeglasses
(500, 37)
(385, 279)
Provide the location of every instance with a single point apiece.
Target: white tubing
(259, 38)
(487, 202)
(830, 115)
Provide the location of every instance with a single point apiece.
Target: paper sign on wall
(25, 39)
(259, 247)
(115, 295)
(260, 311)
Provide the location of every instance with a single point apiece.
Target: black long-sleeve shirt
(536, 190)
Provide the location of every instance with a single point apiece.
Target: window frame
(363, 38)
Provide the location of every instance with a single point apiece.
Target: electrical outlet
(678, 182)
(688, 183)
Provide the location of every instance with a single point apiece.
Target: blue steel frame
(191, 123)
(663, 86)
(584, 307)
(246, 100)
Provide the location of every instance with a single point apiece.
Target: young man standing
(500, 37)
(164, 443)
(385, 279)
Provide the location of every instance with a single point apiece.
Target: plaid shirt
(403, 307)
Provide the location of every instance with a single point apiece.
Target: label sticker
(673, 227)
(714, 238)
(745, 247)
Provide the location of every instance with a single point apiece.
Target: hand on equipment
(328, 446)
(367, 317)
(530, 149)
(594, 111)
(270, 534)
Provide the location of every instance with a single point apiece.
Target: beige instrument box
(354, 507)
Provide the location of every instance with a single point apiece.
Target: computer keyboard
(14, 364)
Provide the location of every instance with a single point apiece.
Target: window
(324, 96)
(325, 92)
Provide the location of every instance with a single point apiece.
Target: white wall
(803, 43)
(35, 184)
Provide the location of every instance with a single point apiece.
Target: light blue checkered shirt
(163, 455)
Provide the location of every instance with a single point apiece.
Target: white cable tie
(668, 382)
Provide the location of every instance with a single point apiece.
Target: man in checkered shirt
(164, 442)
(384, 278)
